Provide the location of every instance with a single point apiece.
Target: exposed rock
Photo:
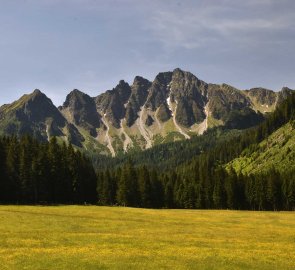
(112, 103)
(263, 96)
(34, 114)
(80, 109)
(139, 92)
(149, 121)
(164, 113)
(98, 123)
(159, 90)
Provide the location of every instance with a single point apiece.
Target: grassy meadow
(91, 237)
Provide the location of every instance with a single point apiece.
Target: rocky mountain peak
(178, 70)
(123, 89)
(77, 98)
(175, 105)
(76, 92)
(80, 109)
(37, 95)
(163, 78)
(286, 90)
(139, 79)
(33, 114)
(139, 92)
(140, 83)
(37, 104)
(123, 83)
(37, 92)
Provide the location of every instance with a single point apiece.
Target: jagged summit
(80, 110)
(175, 105)
(32, 96)
(76, 92)
(37, 92)
(37, 95)
(74, 96)
(140, 79)
(33, 114)
(33, 101)
(122, 83)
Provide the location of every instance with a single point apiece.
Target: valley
(147, 135)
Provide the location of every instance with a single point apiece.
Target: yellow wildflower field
(93, 237)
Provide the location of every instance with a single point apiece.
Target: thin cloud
(196, 25)
(58, 45)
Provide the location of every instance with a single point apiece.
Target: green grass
(91, 144)
(277, 151)
(212, 122)
(91, 237)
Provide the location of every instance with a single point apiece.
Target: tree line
(196, 186)
(32, 172)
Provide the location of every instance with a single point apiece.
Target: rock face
(139, 92)
(176, 105)
(36, 115)
(113, 103)
(80, 109)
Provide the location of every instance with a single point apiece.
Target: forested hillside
(197, 173)
(32, 172)
(277, 150)
(205, 180)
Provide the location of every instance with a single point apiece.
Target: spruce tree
(145, 188)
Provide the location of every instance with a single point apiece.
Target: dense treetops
(32, 172)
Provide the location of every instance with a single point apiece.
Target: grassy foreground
(90, 237)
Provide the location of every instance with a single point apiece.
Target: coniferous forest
(32, 173)
(193, 174)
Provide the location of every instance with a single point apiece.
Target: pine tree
(273, 190)
(106, 189)
(53, 176)
(157, 190)
(188, 196)
(218, 190)
(25, 170)
(260, 187)
(231, 189)
(145, 188)
(251, 192)
(13, 190)
(127, 192)
(290, 193)
(3, 177)
(169, 194)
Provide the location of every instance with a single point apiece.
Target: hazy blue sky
(59, 45)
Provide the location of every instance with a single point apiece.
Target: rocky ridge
(176, 105)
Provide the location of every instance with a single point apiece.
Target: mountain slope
(276, 151)
(80, 110)
(36, 115)
(175, 106)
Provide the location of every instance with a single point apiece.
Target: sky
(59, 45)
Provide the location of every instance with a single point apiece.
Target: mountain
(223, 169)
(175, 106)
(36, 115)
(80, 109)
